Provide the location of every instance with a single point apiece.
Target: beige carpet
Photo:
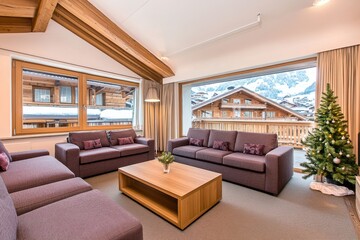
(297, 213)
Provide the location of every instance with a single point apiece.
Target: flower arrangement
(166, 158)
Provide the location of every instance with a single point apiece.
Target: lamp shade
(152, 95)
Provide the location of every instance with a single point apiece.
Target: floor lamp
(153, 97)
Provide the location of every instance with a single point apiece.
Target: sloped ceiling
(289, 30)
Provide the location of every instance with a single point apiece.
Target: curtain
(167, 115)
(341, 69)
(159, 118)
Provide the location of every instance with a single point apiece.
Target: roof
(251, 93)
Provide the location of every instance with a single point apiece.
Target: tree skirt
(331, 189)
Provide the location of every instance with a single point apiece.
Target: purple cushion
(187, 151)
(3, 149)
(8, 218)
(33, 198)
(254, 149)
(125, 140)
(245, 161)
(78, 138)
(91, 144)
(226, 136)
(211, 155)
(98, 154)
(115, 135)
(199, 134)
(267, 139)
(4, 162)
(221, 145)
(88, 215)
(131, 149)
(196, 142)
(33, 172)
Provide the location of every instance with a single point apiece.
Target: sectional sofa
(41, 199)
(114, 149)
(250, 159)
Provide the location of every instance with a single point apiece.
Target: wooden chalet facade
(241, 103)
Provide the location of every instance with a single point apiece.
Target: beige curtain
(159, 118)
(341, 69)
(167, 115)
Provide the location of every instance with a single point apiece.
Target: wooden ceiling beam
(18, 8)
(43, 15)
(69, 21)
(15, 25)
(96, 22)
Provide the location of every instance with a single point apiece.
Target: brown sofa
(47, 202)
(109, 157)
(268, 172)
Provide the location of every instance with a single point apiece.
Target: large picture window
(48, 99)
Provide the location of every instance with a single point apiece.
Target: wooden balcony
(289, 132)
(243, 106)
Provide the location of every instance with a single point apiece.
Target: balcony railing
(243, 106)
(289, 132)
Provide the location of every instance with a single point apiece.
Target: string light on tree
(329, 149)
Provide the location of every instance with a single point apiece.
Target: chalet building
(244, 104)
(51, 100)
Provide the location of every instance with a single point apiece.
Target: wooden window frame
(17, 98)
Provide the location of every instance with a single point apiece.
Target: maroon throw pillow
(196, 142)
(4, 161)
(97, 143)
(4, 150)
(89, 144)
(126, 140)
(221, 145)
(255, 149)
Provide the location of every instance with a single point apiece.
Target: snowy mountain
(295, 88)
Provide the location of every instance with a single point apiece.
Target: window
(248, 114)
(224, 114)
(51, 100)
(236, 101)
(247, 101)
(206, 114)
(237, 113)
(65, 94)
(41, 95)
(270, 114)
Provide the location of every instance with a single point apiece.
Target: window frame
(17, 98)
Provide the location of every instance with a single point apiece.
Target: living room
(178, 45)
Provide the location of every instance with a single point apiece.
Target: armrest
(17, 156)
(68, 154)
(147, 141)
(178, 142)
(279, 168)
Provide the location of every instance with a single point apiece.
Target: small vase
(166, 167)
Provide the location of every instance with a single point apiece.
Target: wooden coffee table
(180, 196)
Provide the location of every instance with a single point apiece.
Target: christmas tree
(328, 147)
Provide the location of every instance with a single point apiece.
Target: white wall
(56, 47)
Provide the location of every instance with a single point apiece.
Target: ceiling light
(320, 2)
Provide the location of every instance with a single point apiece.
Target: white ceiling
(167, 26)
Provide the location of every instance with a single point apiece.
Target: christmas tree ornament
(327, 122)
(333, 142)
(333, 121)
(343, 138)
(348, 142)
(340, 153)
(336, 160)
(320, 139)
(347, 155)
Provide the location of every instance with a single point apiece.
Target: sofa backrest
(8, 217)
(226, 136)
(199, 134)
(268, 139)
(114, 135)
(78, 138)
